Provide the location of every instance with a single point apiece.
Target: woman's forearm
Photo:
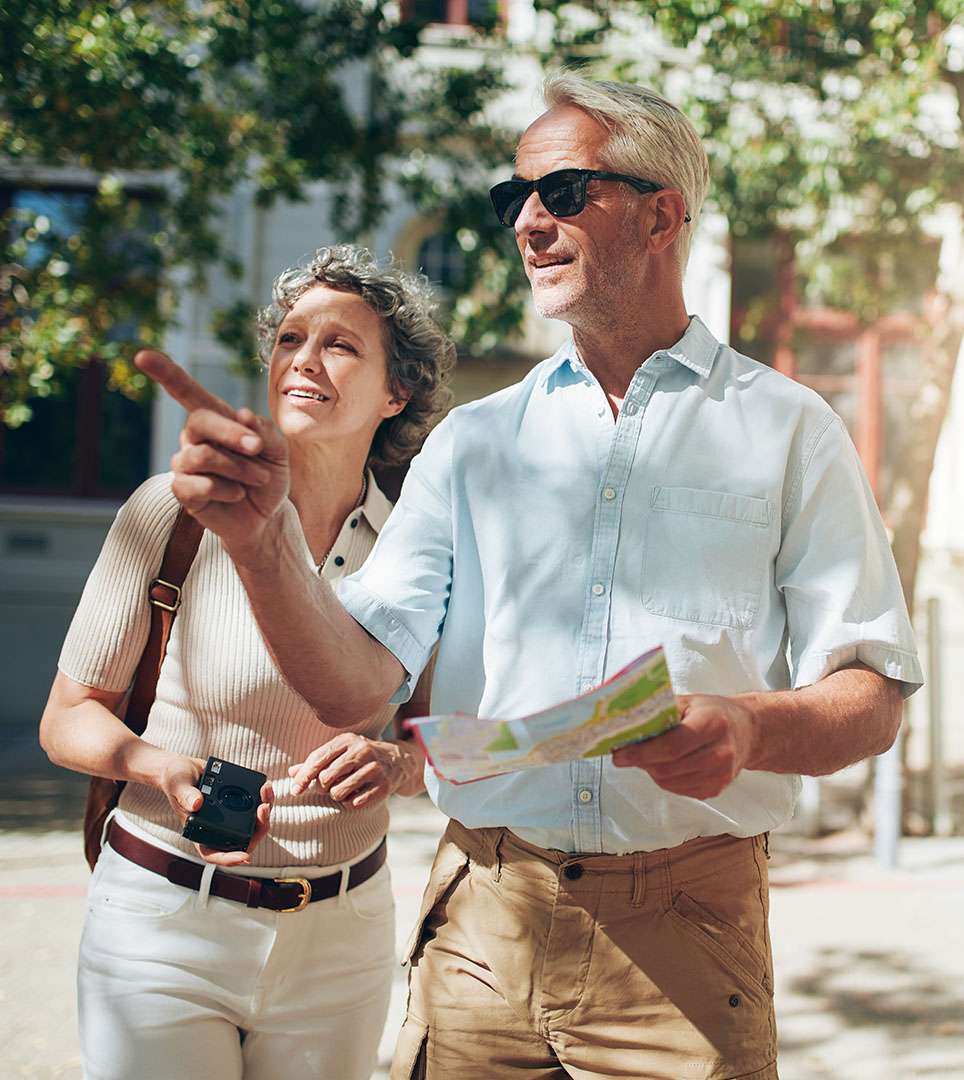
(411, 764)
(80, 732)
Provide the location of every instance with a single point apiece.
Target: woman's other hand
(358, 771)
(178, 780)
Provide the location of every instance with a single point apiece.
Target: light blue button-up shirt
(544, 544)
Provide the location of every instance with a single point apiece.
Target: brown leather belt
(278, 894)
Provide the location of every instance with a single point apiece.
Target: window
(483, 13)
(442, 261)
(83, 440)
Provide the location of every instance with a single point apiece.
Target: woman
(181, 981)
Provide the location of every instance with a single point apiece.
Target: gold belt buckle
(305, 892)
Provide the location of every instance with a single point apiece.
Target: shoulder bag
(164, 597)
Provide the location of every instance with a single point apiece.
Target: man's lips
(545, 262)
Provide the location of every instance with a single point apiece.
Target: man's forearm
(848, 716)
(325, 656)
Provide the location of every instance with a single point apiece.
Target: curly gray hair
(419, 355)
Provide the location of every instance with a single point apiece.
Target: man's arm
(231, 473)
(847, 716)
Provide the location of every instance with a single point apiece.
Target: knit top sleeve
(112, 621)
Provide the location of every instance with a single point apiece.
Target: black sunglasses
(563, 193)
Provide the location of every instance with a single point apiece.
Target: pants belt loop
(343, 884)
(204, 887)
(766, 844)
(639, 879)
(667, 883)
(104, 830)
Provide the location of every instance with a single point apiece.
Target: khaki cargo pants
(538, 965)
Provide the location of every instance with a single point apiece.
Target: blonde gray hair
(419, 355)
(649, 138)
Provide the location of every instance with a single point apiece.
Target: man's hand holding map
(634, 705)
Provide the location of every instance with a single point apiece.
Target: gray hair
(649, 138)
(419, 355)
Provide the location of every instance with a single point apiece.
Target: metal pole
(939, 804)
(887, 804)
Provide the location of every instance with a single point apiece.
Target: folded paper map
(633, 705)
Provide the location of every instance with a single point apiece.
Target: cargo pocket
(451, 862)
(411, 1051)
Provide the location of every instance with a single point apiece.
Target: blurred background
(160, 163)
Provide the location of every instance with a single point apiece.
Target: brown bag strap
(164, 596)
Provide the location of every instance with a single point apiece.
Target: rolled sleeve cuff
(896, 664)
(371, 612)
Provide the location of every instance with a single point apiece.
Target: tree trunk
(907, 513)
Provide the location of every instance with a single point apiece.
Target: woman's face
(328, 379)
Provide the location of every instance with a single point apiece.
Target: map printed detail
(634, 705)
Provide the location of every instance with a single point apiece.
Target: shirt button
(609, 493)
(631, 408)
(598, 589)
(585, 795)
(339, 561)
(573, 872)
(354, 523)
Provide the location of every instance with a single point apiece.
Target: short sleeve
(110, 626)
(836, 571)
(401, 594)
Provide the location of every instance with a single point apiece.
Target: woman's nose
(308, 359)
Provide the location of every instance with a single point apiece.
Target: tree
(834, 132)
(166, 107)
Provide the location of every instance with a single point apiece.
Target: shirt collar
(697, 350)
(376, 507)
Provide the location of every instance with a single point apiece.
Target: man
(645, 485)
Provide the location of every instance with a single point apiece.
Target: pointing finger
(176, 381)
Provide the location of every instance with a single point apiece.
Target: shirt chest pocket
(705, 555)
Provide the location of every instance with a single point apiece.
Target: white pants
(173, 983)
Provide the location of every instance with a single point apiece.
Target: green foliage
(171, 104)
(833, 124)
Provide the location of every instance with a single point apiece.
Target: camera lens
(236, 798)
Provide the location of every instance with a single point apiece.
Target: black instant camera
(226, 819)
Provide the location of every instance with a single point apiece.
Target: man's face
(578, 266)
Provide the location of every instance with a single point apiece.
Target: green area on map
(656, 726)
(504, 741)
(648, 684)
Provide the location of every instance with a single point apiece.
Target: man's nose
(533, 218)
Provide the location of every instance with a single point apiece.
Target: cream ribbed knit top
(219, 691)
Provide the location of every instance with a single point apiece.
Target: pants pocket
(450, 864)
(723, 940)
(411, 1051)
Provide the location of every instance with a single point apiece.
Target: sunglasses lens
(508, 198)
(563, 193)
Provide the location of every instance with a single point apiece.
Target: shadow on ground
(886, 990)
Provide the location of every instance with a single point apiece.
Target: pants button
(573, 872)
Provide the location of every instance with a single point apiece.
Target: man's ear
(666, 218)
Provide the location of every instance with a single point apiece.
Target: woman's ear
(396, 403)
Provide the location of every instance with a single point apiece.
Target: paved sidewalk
(870, 965)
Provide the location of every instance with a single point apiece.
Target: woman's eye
(287, 338)
(344, 346)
